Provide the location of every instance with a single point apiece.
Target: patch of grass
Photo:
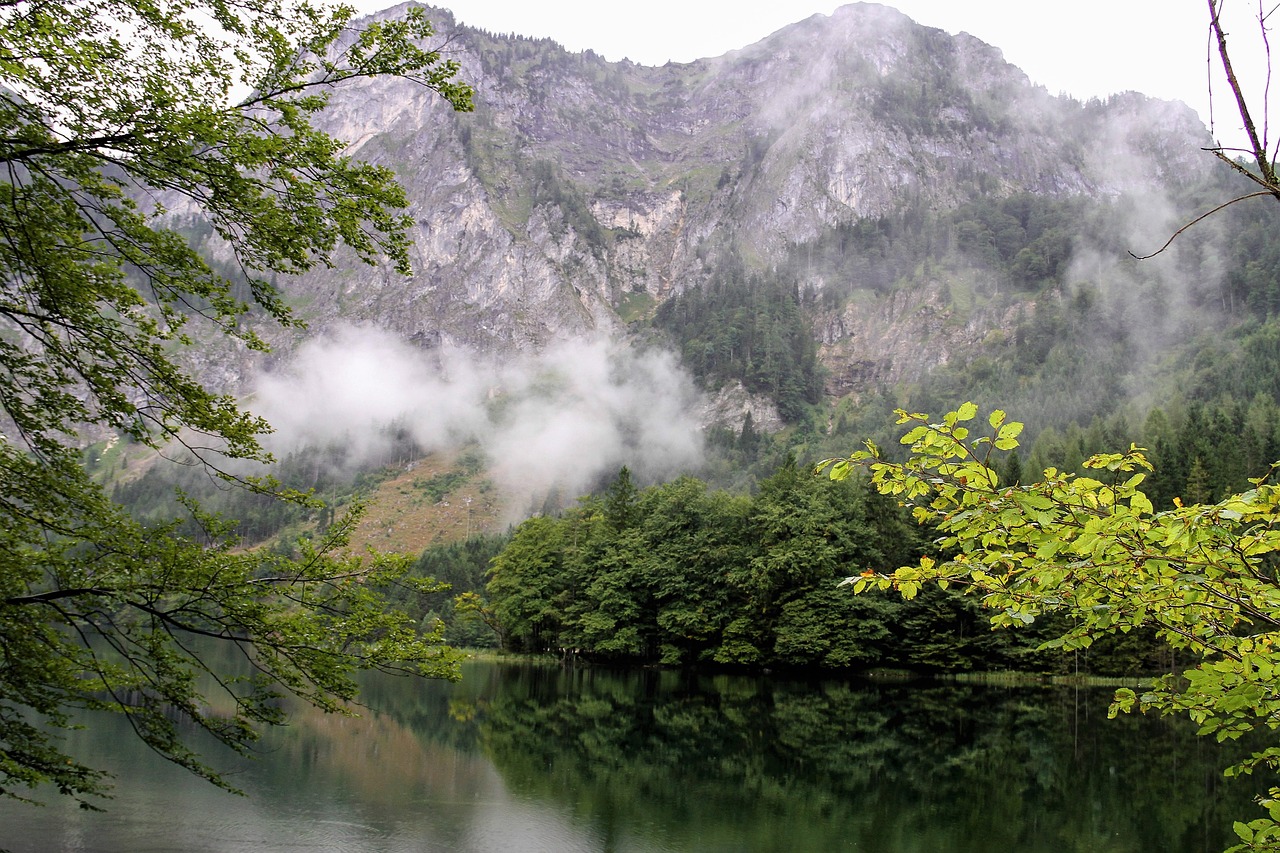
(439, 499)
(440, 485)
(636, 306)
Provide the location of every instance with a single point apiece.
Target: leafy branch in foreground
(1205, 577)
(121, 120)
(112, 635)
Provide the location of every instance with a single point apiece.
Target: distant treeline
(325, 472)
(678, 574)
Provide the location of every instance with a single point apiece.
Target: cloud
(557, 421)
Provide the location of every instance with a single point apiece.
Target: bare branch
(54, 595)
(1259, 149)
(1199, 219)
(1266, 91)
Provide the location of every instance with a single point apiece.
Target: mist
(555, 422)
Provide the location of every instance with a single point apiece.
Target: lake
(522, 757)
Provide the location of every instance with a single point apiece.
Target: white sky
(1080, 47)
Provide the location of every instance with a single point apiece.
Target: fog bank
(558, 420)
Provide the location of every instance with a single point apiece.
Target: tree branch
(1259, 145)
(1203, 217)
(54, 595)
(72, 145)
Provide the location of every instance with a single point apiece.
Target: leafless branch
(1266, 91)
(1258, 146)
(1199, 219)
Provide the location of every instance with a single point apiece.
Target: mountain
(715, 266)
(855, 213)
(582, 192)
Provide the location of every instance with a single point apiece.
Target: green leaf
(1009, 431)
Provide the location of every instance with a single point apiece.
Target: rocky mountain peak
(583, 193)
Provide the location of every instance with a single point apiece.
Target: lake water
(541, 758)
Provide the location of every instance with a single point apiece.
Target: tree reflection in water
(729, 762)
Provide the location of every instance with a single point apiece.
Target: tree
(1205, 577)
(529, 588)
(120, 119)
(1258, 164)
(620, 508)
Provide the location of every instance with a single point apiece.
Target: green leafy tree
(694, 540)
(529, 586)
(119, 118)
(615, 616)
(1204, 577)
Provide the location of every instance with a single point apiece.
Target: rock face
(581, 188)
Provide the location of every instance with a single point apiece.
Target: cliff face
(581, 192)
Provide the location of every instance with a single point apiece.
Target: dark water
(528, 758)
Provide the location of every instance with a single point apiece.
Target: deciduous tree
(116, 116)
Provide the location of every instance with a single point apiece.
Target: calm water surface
(533, 758)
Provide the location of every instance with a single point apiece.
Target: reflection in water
(749, 764)
(528, 758)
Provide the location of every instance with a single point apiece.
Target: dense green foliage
(114, 113)
(464, 567)
(679, 574)
(751, 329)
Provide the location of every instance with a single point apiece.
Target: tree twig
(1201, 218)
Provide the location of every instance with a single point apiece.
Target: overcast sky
(1082, 48)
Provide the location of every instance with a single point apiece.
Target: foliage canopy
(680, 574)
(119, 121)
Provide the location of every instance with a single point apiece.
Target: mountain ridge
(583, 193)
